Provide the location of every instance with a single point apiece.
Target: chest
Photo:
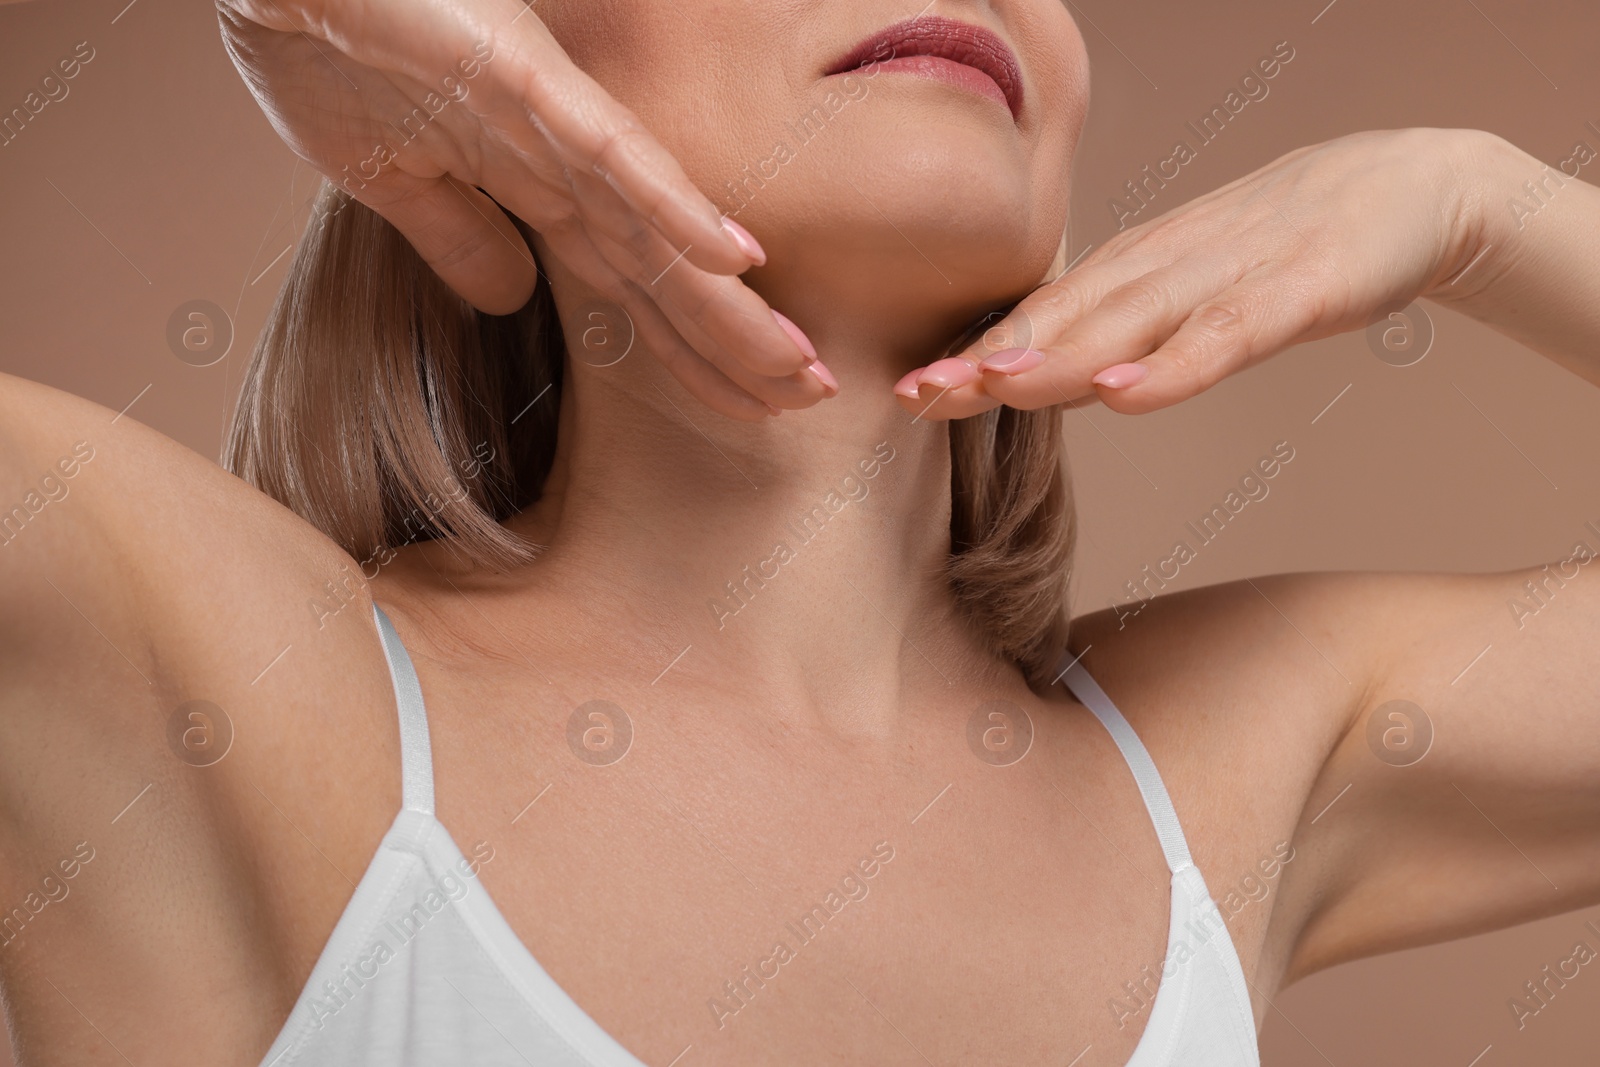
(770, 895)
(703, 873)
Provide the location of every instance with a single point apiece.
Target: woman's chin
(886, 303)
(927, 216)
(915, 266)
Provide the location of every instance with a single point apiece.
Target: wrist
(1485, 172)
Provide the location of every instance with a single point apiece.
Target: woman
(743, 740)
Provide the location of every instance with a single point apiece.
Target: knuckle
(1067, 351)
(1139, 298)
(614, 146)
(1066, 301)
(998, 334)
(1212, 340)
(701, 300)
(1189, 359)
(636, 235)
(1221, 317)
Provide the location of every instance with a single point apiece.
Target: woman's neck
(805, 552)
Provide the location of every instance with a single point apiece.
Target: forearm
(1530, 261)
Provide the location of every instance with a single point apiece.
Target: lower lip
(948, 71)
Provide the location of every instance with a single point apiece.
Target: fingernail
(796, 335)
(1122, 375)
(746, 242)
(825, 376)
(907, 386)
(1013, 361)
(950, 373)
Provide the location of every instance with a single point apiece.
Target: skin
(831, 711)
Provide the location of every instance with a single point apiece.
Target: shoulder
(134, 520)
(1243, 692)
(1294, 646)
(1303, 649)
(191, 684)
(137, 575)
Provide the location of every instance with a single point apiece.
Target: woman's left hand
(1311, 245)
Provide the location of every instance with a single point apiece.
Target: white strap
(1154, 791)
(416, 754)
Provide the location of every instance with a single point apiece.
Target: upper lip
(952, 39)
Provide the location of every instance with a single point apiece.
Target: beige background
(157, 181)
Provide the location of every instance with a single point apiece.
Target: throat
(806, 554)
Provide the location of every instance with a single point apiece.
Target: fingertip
(830, 384)
(1012, 361)
(907, 386)
(951, 373)
(501, 295)
(745, 241)
(746, 408)
(1122, 375)
(796, 334)
(710, 239)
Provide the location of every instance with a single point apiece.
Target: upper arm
(1464, 793)
(132, 587)
(54, 457)
(135, 575)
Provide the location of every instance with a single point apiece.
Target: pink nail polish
(1013, 361)
(745, 240)
(907, 386)
(1122, 375)
(950, 373)
(825, 376)
(797, 336)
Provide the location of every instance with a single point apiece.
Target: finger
(1232, 331)
(598, 136)
(653, 332)
(798, 389)
(794, 391)
(722, 308)
(463, 235)
(947, 389)
(503, 61)
(1129, 322)
(937, 404)
(702, 380)
(1055, 305)
(1045, 313)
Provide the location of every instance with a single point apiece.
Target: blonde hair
(382, 408)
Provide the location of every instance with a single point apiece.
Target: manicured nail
(907, 386)
(1013, 361)
(797, 335)
(950, 373)
(825, 376)
(746, 242)
(1122, 375)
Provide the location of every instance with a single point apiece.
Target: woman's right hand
(424, 110)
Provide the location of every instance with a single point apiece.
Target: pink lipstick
(946, 49)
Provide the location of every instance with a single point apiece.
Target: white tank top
(422, 969)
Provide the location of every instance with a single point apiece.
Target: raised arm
(1466, 779)
(1464, 795)
(1316, 243)
(1473, 762)
(451, 120)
